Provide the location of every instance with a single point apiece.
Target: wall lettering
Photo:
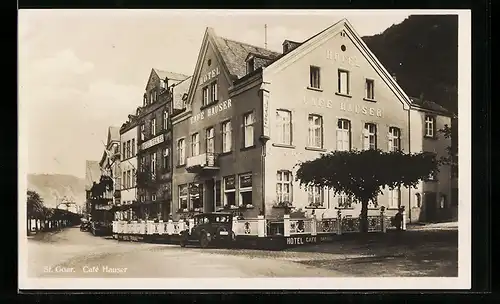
(211, 111)
(301, 240)
(351, 60)
(211, 74)
(265, 115)
(344, 106)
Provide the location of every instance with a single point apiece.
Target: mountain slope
(422, 52)
(53, 187)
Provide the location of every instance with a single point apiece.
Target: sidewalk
(433, 226)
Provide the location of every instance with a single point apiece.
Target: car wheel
(204, 241)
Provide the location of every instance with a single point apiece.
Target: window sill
(247, 148)
(344, 208)
(315, 89)
(343, 95)
(209, 104)
(369, 99)
(430, 180)
(225, 153)
(282, 207)
(315, 149)
(283, 146)
(312, 207)
(430, 137)
(180, 166)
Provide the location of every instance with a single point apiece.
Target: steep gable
(343, 27)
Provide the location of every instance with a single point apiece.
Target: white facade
(128, 166)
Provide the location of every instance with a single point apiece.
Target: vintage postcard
(226, 149)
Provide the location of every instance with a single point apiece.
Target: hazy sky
(81, 71)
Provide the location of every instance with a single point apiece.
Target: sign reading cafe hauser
(222, 106)
(344, 106)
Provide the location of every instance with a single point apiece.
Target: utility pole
(265, 36)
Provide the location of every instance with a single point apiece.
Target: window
(142, 131)
(314, 77)
(245, 189)
(315, 196)
(430, 124)
(418, 199)
(165, 162)
(370, 89)
(145, 100)
(124, 144)
(195, 195)
(133, 147)
(210, 140)
(315, 135)
(133, 178)
(344, 201)
(205, 96)
(183, 197)
(153, 197)
(152, 96)
(213, 91)
(165, 119)
(343, 85)
(370, 136)
(229, 191)
(181, 151)
(226, 136)
(218, 202)
(394, 139)
(128, 148)
(248, 121)
(162, 84)
(343, 135)
(195, 144)
(394, 198)
(284, 186)
(153, 165)
(153, 127)
(284, 127)
(250, 65)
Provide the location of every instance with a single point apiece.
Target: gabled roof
(429, 105)
(175, 77)
(235, 53)
(170, 75)
(113, 134)
(231, 55)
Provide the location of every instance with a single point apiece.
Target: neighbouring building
(126, 210)
(110, 162)
(92, 174)
(153, 180)
(251, 115)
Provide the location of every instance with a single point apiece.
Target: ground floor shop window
(196, 195)
(229, 191)
(245, 189)
(183, 197)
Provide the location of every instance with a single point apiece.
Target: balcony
(202, 162)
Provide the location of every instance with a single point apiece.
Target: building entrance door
(430, 206)
(208, 206)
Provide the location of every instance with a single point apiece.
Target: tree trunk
(363, 217)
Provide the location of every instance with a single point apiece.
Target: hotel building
(252, 115)
(153, 180)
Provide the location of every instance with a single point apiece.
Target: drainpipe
(409, 151)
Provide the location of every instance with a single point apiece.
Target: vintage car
(209, 229)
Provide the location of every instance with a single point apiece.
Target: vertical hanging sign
(265, 114)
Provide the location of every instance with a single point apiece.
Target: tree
(35, 207)
(363, 174)
(451, 159)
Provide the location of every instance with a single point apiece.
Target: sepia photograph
(244, 149)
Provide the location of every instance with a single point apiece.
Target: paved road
(72, 253)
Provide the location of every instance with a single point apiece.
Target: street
(416, 252)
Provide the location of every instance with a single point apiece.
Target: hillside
(422, 52)
(54, 186)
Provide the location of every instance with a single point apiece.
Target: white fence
(378, 221)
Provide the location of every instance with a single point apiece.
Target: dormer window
(250, 65)
(145, 100)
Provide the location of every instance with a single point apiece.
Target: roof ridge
(248, 44)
